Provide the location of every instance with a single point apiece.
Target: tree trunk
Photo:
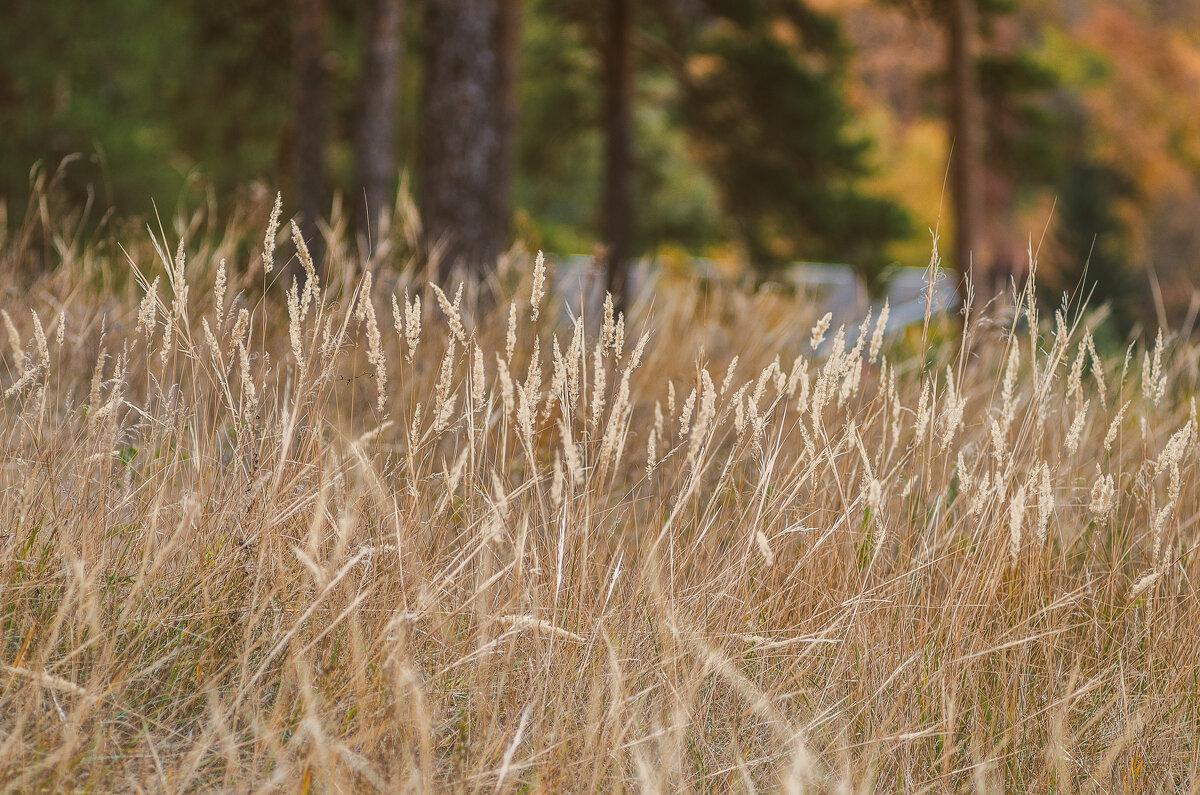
(508, 48)
(308, 114)
(377, 109)
(618, 168)
(459, 135)
(964, 131)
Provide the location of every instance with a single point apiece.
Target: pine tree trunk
(459, 135)
(308, 114)
(618, 169)
(964, 131)
(377, 109)
(508, 43)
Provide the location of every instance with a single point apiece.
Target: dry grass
(253, 540)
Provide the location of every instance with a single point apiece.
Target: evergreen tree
(1091, 261)
(763, 100)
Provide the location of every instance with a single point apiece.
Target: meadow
(263, 529)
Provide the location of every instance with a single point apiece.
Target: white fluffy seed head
(1016, 519)
(877, 337)
(1045, 502)
(818, 331)
(1103, 503)
(268, 254)
(219, 291)
(1076, 429)
(510, 340)
(539, 287)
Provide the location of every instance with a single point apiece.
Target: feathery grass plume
(294, 330)
(478, 383)
(880, 330)
(1072, 440)
(1007, 404)
(147, 310)
(533, 375)
(779, 378)
(241, 326)
(268, 255)
(596, 399)
(97, 378)
(1075, 378)
(608, 332)
(507, 391)
(818, 331)
(526, 411)
(249, 391)
(952, 411)
(962, 474)
(571, 455)
(177, 278)
(610, 442)
(1097, 368)
(651, 450)
(414, 428)
(984, 490)
(312, 284)
(444, 398)
(576, 359)
(1103, 503)
(214, 347)
(166, 345)
(739, 410)
(452, 312)
(539, 287)
(558, 380)
(1144, 584)
(60, 329)
(375, 356)
(219, 287)
(924, 412)
(1154, 380)
(1114, 427)
(671, 398)
(412, 324)
(764, 547)
(510, 341)
(1045, 502)
(685, 414)
(1016, 518)
(705, 416)
(728, 375)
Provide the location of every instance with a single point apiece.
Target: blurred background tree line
(754, 131)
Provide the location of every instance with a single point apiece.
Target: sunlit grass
(368, 534)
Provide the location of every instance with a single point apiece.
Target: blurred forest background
(754, 132)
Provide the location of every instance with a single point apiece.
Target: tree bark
(308, 114)
(459, 135)
(508, 48)
(965, 184)
(377, 109)
(618, 169)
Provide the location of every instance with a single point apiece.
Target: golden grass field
(368, 536)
